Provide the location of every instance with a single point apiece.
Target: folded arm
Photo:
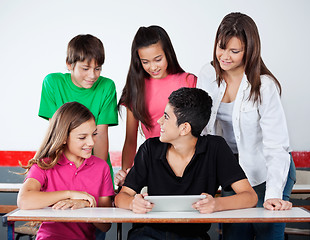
(30, 196)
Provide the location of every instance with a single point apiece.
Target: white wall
(34, 35)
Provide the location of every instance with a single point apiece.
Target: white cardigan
(260, 130)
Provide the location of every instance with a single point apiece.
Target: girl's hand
(139, 205)
(71, 203)
(120, 176)
(83, 196)
(277, 204)
(206, 205)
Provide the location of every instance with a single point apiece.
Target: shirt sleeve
(204, 77)
(47, 103)
(108, 113)
(107, 189)
(39, 174)
(192, 80)
(275, 139)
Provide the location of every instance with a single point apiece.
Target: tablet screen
(174, 203)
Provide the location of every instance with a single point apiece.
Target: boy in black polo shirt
(181, 162)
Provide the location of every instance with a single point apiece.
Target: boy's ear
(69, 66)
(186, 128)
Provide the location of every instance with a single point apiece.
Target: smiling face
(231, 58)
(153, 60)
(169, 129)
(84, 74)
(80, 142)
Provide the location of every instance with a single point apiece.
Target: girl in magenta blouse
(64, 174)
(154, 73)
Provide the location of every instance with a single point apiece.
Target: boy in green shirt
(85, 57)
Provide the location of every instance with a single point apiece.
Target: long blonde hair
(68, 117)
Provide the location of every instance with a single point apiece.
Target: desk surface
(10, 187)
(118, 215)
(301, 188)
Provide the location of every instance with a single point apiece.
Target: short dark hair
(192, 105)
(85, 47)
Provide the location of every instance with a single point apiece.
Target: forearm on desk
(37, 199)
(124, 198)
(238, 201)
(245, 197)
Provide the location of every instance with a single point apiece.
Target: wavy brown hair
(133, 95)
(68, 117)
(244, 28)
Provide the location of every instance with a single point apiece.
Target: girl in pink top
(63, 174)
(154, 73)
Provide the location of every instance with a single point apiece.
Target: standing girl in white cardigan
(248, 113)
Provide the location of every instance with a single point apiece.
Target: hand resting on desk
(277, 204)
(71, 203)
(30, 196)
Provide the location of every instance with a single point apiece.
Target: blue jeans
(261, 231)
(100, 235)
(151, 233)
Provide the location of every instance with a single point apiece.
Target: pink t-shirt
(157, 92)
(93, 177)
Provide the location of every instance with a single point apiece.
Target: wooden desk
(8, 188)
(117, 215)
(301, 189)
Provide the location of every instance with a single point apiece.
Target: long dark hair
(68, 117)
(244, 28)
(133, 95)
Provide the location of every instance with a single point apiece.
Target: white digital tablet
(174, 203)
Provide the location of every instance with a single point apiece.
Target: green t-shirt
(100, 99)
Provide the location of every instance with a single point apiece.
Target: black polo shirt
(212, 165)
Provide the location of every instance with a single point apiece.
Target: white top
(260, 130)
(224, 116)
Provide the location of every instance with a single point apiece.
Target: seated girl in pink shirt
(154, 73)
(64, 174)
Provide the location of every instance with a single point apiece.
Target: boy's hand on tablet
(206, 205)
(140, 205)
